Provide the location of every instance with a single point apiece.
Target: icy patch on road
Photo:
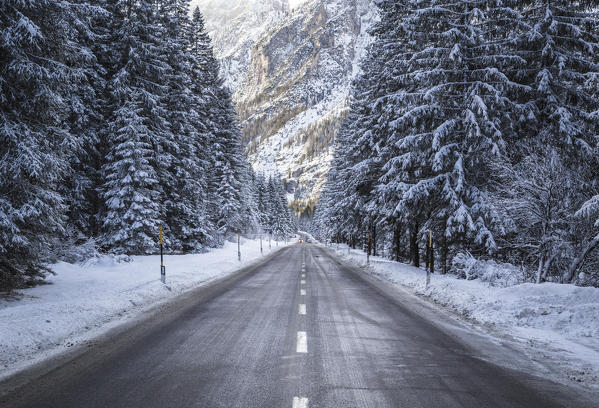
(558, 321)
(83, 301)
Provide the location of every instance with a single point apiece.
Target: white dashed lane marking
(300, 402)
(302, 309)
(303, 292)
(302, 342)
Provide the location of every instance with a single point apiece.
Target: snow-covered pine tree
(455, 94)
(39, 73)
(262, 201)
(560, 44)
(229, 217)
(229, 167)
(87, 121)
(589, 210)
(250, 214)
(281, 219)
(184, 181)
(138, 131)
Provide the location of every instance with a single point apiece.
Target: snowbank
(565, 318)
(83, 301)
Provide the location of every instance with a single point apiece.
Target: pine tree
(230, 174)
(138, 138)
(184, 182)
(87, 121)
(560, 45)
(262, 200)
(456, 113)
(39, 72)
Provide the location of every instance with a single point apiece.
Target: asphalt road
(301, 330)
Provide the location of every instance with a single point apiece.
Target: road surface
(300, 330)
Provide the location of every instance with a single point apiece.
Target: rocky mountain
(291, 71)
(235, 26)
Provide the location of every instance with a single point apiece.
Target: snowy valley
(291, 74)
(305, 203)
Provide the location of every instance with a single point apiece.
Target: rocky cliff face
(291, 79)
(235, 26)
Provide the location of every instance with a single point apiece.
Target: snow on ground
(84, 301)
(559, 319)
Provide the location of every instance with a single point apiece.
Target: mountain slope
(291, 82)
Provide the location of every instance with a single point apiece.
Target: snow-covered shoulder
(558, 320)
(84, 301)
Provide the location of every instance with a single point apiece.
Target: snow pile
(465, 266)
(82, 301)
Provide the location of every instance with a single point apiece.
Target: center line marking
(303, 292)
(303, 275)
(300, 402)
(302, 342)
(303, 282)
(302, 309)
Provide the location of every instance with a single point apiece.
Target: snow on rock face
(235, 26)
(291, 73)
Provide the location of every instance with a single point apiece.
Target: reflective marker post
(239, 247)
(369, 249)
(162, 267)
(261, 252)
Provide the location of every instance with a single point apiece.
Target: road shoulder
(487, 343)
(95, 345)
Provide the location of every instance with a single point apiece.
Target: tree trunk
(444, 252)
(577, 262)
(374, 239)
(432, 260)
(414, 246)
(397, 241)
(547, 265)
(540, 268)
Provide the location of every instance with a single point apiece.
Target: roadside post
(162, 267)
(261, 252)
(239, 247)
(369, 249)
(269, 238)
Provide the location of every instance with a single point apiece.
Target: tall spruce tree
(183, 182)
(229, 177)
(41, 66)
(138, 132)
